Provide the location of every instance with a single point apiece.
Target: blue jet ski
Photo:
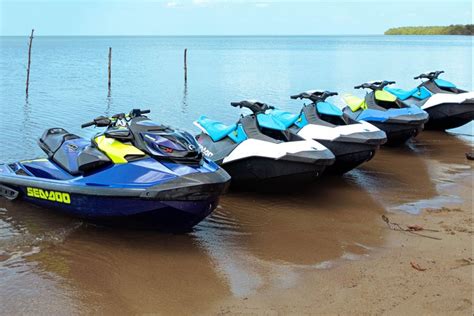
(447, 105)
(137, 173)
(399, 121)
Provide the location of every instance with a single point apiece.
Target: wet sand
(322, 251)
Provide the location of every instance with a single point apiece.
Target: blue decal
(302, 121)
(238, 135)
(421, 93)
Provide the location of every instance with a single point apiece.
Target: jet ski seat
(215, 129)
(419, 93)
(53, 138)
(270, 122)
(327, 108)
(444, 83)
(286, 118)
(354, 103)
(77, 157)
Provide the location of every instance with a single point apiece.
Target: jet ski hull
(176, 205)
(268, 174)
(348, 155)
(450, 115)
(399, 133)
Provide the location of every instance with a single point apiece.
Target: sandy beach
(386, 281)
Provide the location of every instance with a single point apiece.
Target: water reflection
(410, 178)
(260, 240)
(109, 104)
(107, 270)
(184, 101)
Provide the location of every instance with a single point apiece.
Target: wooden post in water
(29, 62)
(185, 65)
(110, 69)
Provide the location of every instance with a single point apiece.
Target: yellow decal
(53, 196)
(116, 150)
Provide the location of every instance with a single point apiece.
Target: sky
(225, 17)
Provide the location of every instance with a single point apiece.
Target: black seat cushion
(53, 138)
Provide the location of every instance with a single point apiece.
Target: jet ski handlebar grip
(145, 111)
(296, 96)
(358, 87)
(236, 104)
(87, 124)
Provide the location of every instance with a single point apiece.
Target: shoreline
(384, 279)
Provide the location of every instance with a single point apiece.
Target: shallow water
(54, 264)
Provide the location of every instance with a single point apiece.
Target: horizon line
(192, 35)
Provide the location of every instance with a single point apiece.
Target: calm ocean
(69, 76)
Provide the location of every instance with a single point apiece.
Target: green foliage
(459, 29)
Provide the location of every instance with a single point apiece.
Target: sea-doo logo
(206, 151)
(53, 196)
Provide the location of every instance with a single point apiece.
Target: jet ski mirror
(374, 85)
(314, 95)
(430, 76)
(255, 106)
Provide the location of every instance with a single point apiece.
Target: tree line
(458, 29)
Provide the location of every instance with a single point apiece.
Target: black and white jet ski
(447, 105)
(399, 121)
(258, 150)
(352, 142)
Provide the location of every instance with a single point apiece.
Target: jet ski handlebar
(374, 85)
(103, 121)
(431, 75)
(315, 96)
(254, 106)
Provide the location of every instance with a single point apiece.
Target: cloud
(201, 2)
(172, 4)
(262, 4)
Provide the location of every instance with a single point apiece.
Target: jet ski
(447, 105)
(137, 172)
(258, 151)
(384, 110)
(352, 142)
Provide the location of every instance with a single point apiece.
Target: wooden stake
(29, 62)
(110, 68)
(185, 65)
